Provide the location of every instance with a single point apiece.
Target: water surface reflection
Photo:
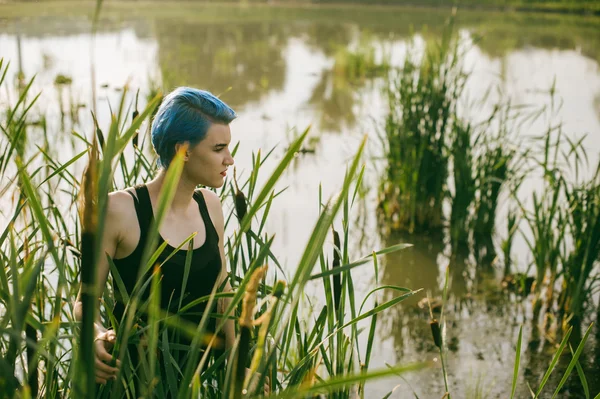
(483, 323)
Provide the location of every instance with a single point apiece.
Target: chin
(212, 183)
(217, 184)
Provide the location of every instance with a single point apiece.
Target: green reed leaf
(581, 374)
(63, 167)
(154, 311)
(268, 187)
(187, 266)
(383, 287)
(517, 362)
(122, 290)
(126, 137)
(336, 383)
(554, 361)
(573, 361)
(168, 362)
(165, 198)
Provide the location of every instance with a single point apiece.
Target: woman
(198, 122)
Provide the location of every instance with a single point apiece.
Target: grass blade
(573, 362)
(517, 362)
(555, 358)
(582, 378)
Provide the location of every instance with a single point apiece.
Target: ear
(185, 147)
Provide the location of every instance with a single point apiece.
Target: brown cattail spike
(436, 332)
(133, 116)
(241, 207)
(88, 194)
(249, 300)
(99, 133)
(337, 279)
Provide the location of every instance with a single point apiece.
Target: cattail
(249, 301)
(87, 193)
(436, 332)
(88, 213)
(133, 116)
(241, 207)
(337, 279)
(279, 289)
(246, 322)
(99, 133)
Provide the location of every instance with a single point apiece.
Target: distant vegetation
(515, 4)
(555, 6)
(434, 153)
(565, 6)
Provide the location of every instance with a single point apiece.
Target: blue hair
(185, 115)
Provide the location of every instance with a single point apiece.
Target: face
(207, 162)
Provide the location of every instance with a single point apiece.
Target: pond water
(274, 65)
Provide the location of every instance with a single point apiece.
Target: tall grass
(464, 185)
(434, 154)
(422, 106)
(45, 253)
(497, 164)
(360, 63)
(482, 164)
(579, 283)
(562, 233)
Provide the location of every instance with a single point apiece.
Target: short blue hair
(185, 115)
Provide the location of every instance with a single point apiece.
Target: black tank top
(204, 269)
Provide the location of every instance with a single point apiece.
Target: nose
(229, 160)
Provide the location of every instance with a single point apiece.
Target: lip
(224, 173)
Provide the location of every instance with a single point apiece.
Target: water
(275, 67)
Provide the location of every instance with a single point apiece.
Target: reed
(422, 105)
(464, 186)
(512, 223)
(562, 231)
(583, 219)
(434, 154)
(360, 63)
(546, 221)
(496, 165)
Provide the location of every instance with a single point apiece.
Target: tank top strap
(143, 208)
(210, 228)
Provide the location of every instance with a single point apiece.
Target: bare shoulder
(120, 203)
(213, 202)
(215, 210)
(120, 210)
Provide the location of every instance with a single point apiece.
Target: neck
(184, 191)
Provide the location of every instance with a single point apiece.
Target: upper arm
(117, 214)
(215, 209)
(119, 211)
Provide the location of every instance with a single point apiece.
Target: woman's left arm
(216, 213)
(228, 327)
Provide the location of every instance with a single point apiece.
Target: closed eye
(219, 147)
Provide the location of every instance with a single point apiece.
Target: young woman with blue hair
(200, 121)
